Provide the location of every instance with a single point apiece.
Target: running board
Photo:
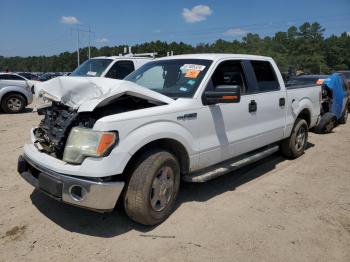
(228, 166)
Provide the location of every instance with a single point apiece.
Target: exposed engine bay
(59, 119)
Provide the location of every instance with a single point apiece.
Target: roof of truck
(122, 57)
(214, 56)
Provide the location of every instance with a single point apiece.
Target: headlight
(83, 142)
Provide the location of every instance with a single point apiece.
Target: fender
(304, 103)
(165, 129)
(150, 132)
(296, 108)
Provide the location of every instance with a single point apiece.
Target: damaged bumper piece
(89, 193)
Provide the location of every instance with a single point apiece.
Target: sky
(44, 27)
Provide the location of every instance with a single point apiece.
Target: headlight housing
(84, 142)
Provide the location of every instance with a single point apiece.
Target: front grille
(53, 130)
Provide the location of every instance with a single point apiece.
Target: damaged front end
(80, 102)
(52, 133)
(54, 128)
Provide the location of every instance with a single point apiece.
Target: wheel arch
(4, 95)
(171, 145)
(306, 115)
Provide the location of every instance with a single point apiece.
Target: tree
(303, 47)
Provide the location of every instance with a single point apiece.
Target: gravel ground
(274, 210)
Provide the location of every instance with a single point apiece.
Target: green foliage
(304, 48)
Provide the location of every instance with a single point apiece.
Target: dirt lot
(275, 210)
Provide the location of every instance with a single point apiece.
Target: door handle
(282, 101)
(253, 106)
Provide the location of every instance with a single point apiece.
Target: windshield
(92, 67)
(174, 78)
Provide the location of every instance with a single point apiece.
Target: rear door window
(265, 76)
(121, 69)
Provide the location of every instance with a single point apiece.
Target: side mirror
(222, 94)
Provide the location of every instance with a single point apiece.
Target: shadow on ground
(113, 224)
(25, 111)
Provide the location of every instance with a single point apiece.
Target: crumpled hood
(87, 93)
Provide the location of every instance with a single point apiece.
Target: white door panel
(231, 129)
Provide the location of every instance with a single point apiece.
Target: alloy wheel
(162, 188)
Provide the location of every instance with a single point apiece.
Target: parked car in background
(305, 79)
(335, 103)
(15, 92)
(29, 76)
(49, 75)
(116, 67)
(346, 75)
(191, 117)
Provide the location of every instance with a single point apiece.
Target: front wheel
(153, 188)
(295, 145)
(13, 103)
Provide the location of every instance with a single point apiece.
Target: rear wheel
(13, 103)
(295, 145)
(153, 188)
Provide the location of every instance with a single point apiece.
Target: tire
(294, 146)
(13, 103)
(327, 123)
(344, 118)
(153, 188)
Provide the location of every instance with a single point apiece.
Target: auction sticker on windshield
(91, 73)
(192, 73)
(193, 67)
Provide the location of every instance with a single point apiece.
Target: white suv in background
(116, 67)
(15, 92)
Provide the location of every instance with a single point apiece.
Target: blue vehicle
(335, 103)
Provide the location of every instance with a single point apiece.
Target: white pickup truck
(190, 117)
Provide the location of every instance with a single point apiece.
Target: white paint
(218, 133)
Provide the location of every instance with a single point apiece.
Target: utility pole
(78, 51)
(89, 42)
(80, 30)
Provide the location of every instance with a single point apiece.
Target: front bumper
(79, 191)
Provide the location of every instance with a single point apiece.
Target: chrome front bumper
(79, 191)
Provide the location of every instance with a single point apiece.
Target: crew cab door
(257, 120)
(120, 69)
(270, 99)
